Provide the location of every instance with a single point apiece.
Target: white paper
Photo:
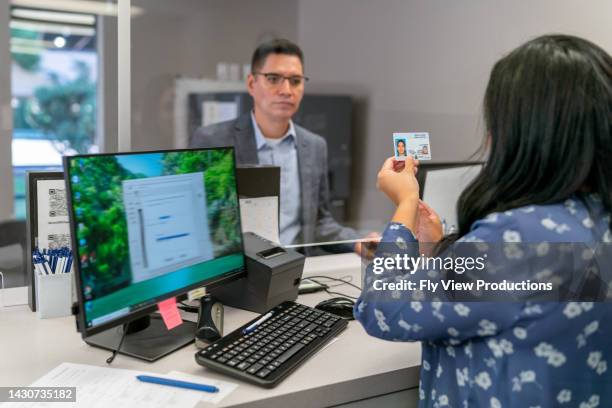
(225, 388)
(53, 224)
(102, 387)
(14, 296)
(215, 112)
(443, 188)
(260, 215)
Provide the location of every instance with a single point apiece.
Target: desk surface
(354, 367)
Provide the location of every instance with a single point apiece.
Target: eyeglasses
(274, 79)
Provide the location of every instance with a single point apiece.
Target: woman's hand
(429, 226)
(429, 229)
(397, 180)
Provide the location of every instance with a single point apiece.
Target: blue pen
(177, 383)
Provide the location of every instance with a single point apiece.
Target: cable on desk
(188, 308)
(112, 357)
(345, 279)
(344, 282)
(311, 278)
(340, 294)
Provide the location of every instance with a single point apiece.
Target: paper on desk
(260, 215)
(110, 387)
(225, 387)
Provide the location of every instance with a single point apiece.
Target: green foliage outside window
(65, 111)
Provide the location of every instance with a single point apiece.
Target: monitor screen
(443, 184)
(148, 226)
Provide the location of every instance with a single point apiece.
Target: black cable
(330, 292)
(112, 357)
(188, 308)
(330, 278)
(340, 294)
(344, 279)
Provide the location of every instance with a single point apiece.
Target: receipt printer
(273, 276)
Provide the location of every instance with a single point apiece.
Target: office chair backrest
(13, 257)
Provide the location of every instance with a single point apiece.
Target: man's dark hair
(275, 46)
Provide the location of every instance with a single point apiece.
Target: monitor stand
(147, 338)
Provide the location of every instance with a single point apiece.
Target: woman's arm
(401, 314)
(406, 316)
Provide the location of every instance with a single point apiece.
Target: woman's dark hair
(548, 115)
(275, 46)
(402, 141)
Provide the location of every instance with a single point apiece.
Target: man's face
(280, 101)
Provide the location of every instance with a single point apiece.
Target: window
(54, 74)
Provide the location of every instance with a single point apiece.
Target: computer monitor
(147, 227)
(441, 186)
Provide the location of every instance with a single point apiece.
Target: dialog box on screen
(167, 224)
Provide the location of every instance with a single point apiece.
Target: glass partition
(190, 65)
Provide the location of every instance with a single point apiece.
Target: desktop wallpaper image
(102, 228)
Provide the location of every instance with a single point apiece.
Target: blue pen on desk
(177, 383)
(257, 323)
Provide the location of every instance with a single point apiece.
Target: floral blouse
(512, 354)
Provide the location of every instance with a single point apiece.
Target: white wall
(423, 65)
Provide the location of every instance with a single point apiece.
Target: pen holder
(54, 295)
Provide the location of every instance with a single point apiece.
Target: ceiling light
(54, 16)
(80, 6)
(59, 41)
(51, 28)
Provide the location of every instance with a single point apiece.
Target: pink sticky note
(170, 313)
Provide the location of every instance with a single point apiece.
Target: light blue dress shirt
(283, 153)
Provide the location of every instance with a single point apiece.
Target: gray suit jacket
(318, 224)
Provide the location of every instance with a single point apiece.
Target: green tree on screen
(101, 221)
(221, 196)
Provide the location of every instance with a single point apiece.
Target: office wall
(187, 38)
(6, 117)
(423, 65)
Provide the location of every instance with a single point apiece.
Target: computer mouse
(339, 306)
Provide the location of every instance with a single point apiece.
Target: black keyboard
(265, 355)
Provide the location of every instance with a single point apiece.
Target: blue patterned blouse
(513, 354)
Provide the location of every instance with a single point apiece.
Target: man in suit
(267, 135)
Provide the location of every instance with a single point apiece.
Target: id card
(415, 144)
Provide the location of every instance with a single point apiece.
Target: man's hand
(366, 249)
